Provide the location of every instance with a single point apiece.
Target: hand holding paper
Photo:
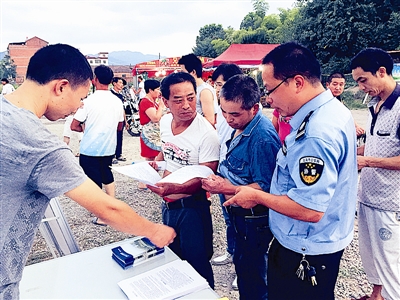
(142, 172)
(145, 173)
(213, 184)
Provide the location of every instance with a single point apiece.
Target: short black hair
(104, 74)
(371, 59)
(192, 62)
(115, 80)
(5, 80)
(290, 59)
(241, 89)
(335, 75)
(151, 84)
(175, 78)
(59, 61)
(227, 71)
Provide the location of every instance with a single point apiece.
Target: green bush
(353, 98)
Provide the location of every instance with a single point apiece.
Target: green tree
(220, 46)
(271, 22)
(7, 68)
(336, 30)
(251, 21)
(229, 35)
(207, 34)
(258, 36)
(271, 25)
(286, 31)
(273, 28)
(260, 7)
(256, 27)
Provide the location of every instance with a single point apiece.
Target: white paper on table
(170, 281)
(186, 173)
(142, 172)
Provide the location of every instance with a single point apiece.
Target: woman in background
(281, 125)
(151, 109)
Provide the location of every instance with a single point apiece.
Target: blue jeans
(194, 235)
(230, 230)
(253, 237)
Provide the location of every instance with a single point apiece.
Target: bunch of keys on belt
(306, 268)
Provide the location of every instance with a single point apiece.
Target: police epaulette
(284, 148)
(302, 129)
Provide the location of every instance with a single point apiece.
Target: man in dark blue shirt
(118, 84)
(250, 161)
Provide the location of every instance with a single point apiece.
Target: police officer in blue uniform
(312, 198)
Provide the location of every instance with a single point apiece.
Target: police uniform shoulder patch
(310, 169)
(284, 148)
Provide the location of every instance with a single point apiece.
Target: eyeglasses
(267, 93)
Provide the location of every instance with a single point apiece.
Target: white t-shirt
(224, 133)
(102, 112)
(7, 89)
(197, 144)
(199, 89)
(142, 93)
(67, 132)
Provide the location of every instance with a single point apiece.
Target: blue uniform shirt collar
(311, 105)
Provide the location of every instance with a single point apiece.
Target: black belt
(187, 202)
(258, 210)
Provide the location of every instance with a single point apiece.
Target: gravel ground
(351, 283)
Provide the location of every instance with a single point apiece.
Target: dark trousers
(252, 240)
(194, 235)
(230, 230)
(118, 149)
(283, 282)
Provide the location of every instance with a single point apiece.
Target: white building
(100, 59)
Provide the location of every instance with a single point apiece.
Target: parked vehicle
(132, 116)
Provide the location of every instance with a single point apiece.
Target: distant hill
(129, 57)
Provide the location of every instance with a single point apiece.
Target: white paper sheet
(169, 281)
(143, 172)
(186, 173)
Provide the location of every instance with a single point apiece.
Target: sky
(167, 28)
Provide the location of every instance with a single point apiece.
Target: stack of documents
(169, 281)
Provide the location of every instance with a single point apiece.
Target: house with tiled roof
(124, 72)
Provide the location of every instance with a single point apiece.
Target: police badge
(310, 169)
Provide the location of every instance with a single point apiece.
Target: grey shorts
(379, 239)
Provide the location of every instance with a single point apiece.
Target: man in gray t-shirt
(36, 166)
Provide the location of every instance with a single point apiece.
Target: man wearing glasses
(313, 190)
